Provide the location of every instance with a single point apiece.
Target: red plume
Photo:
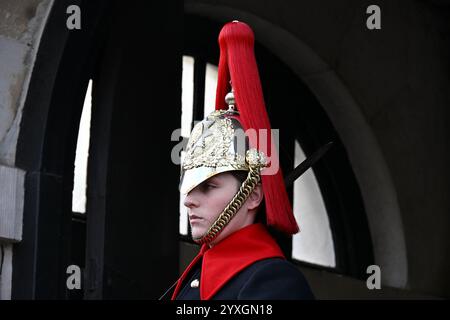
(237, 61)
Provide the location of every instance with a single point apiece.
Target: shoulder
(274, 278)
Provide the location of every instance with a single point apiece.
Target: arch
(365, 155)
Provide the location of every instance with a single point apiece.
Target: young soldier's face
(207, 201)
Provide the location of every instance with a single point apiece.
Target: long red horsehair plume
(237, 63)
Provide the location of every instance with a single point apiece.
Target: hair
(241, 175)
(261, 217)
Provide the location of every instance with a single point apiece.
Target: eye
(208, 186)
(211, 186)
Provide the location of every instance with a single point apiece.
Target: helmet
(217, 144)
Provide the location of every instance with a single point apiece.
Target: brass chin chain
(233, 207)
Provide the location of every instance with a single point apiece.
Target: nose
(191, 200)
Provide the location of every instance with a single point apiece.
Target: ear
(255, 198)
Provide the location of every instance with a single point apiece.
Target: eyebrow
(213, 179)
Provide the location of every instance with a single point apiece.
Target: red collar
(230, 256)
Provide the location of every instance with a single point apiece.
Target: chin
(197, 234)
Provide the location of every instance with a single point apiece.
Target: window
(314, 242)
(79, 197)
(187, 96)
(210, 88)
(81, 156)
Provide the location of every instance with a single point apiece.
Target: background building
(137, 70)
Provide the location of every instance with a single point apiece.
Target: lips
(193, 217)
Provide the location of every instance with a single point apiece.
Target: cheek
(217, 201)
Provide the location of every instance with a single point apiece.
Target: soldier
(233, 193)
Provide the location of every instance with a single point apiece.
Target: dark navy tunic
(268, 279)
(246, 265)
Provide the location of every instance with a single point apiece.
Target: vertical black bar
(199, 89)
(132, 225)
(103, 84)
